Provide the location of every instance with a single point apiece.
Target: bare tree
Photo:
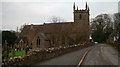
(56, 19)
(102, 26)
(22, 26)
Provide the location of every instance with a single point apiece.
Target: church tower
(81, 15)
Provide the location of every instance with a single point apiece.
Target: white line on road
(83, 57)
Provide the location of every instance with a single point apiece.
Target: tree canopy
(102, 27)
(9, 36)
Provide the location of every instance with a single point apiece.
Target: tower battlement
(81, 15)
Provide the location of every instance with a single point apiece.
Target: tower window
(80, 16)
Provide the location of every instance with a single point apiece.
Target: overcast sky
(15, 13)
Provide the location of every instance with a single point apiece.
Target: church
(59, 34)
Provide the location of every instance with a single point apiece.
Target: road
(101, 54)
(72, 58)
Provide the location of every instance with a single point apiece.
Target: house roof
(24, 39)
(30, 31)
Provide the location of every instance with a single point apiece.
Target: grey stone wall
(38, 56)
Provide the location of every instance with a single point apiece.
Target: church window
(38, 41)
(80, 16)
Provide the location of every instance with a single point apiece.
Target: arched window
(21, 42)
(80, 16)
(38, 41)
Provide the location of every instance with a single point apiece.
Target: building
(57, 34)
(119, 6)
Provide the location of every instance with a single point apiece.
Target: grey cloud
(18, 13)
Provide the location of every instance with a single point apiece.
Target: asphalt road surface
(101, 54)
(72, 58)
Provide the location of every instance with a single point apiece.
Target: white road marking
(83, 57)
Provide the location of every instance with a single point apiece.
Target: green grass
(10, 55)
(20, 53)
(17, 53)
